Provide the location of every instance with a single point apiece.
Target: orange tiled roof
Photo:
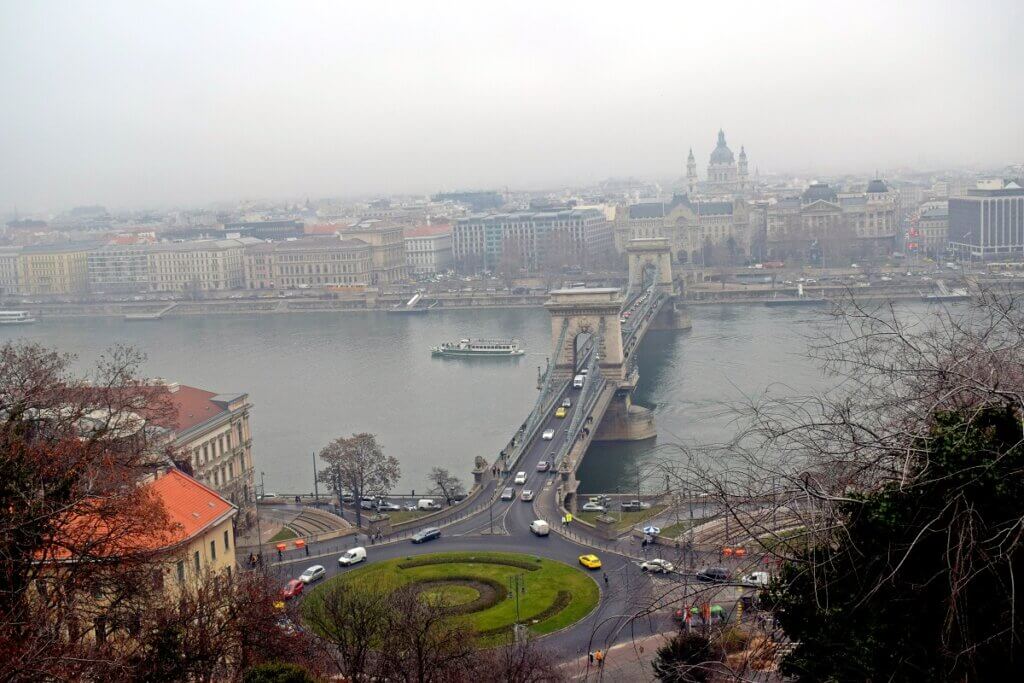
(190, 506)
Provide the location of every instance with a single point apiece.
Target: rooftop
(190, 506)
(195, 406)
(429, 230)
(311, 243)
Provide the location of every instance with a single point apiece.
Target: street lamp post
(316, 487)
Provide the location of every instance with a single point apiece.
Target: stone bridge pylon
(586, 311)
(646, 255)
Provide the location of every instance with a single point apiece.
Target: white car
(758, 579)
(520, 478)
(593, 507)
(526, 496)
(353, 556)
(314, 573)
(657, 566)
(548, 434)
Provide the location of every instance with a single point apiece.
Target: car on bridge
(543, 466)
(508, 494)
(526, 495)
(520, 478)
(594, 507)
(560, 412)
(590, 561)
(548, 434)
(635, 506)
(657, 566)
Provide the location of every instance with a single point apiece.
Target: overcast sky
(137, 104)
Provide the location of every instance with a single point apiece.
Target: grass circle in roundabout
(477, 587)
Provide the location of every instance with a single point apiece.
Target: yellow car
(560, 412)
(590, 561)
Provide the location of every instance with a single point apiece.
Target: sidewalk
(630, 661)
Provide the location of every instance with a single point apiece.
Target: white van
(757, 579)
(427, 504)
(353, 556)
(577, 381)
(540, 528)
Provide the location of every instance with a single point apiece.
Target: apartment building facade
(212, 430)
(531, 239)
(988, 222)
(428, 249)
(387, 250)
(308, 262)
(54, 269)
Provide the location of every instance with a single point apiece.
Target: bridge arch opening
(648, 275)
(582, 347)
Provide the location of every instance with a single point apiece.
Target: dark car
(715, 575)
(428, 534)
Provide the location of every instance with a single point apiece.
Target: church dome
(877, 186)
(722, 154)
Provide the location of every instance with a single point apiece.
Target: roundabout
(489, 592)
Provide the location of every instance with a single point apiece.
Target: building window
(181, 571)
(226, 546)
(195, 557)
(213, 551)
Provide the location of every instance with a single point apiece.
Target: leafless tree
(358, 465)
(445, 484)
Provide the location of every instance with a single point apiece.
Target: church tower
(743, 177)
(691, 174)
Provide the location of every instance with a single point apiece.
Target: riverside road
(504, 526)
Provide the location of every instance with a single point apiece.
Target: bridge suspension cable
(543, 396)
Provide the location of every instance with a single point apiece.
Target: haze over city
(136, 105)
(518, 342)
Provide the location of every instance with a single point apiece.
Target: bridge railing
(591, 391)
(526, 433)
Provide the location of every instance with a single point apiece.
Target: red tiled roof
(193, 406)
(429, 230)
(190, 507)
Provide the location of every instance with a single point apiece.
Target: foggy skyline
(138, 105)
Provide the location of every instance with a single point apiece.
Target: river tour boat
(479, 347)
(16, 318)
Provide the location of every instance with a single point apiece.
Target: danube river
(312, 377)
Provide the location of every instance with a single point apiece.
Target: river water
(312, 377)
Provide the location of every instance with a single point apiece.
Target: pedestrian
(599, 656)
(591, 656)
(307, 550)
(373, 539)
(643, 543)
(606, 578)
(280, 555)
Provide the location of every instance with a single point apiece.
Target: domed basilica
(726, 175)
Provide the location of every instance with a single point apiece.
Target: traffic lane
(612, 620)
(552, 547)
